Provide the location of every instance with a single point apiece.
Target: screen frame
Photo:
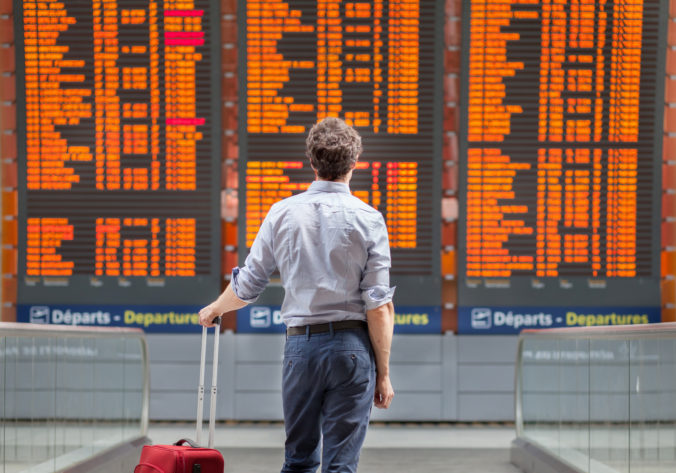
(639, 291)
(411, 290)
(115, 290)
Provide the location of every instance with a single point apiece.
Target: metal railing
(597, 399)
(68, 394)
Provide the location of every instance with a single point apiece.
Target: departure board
(120, 151)
(561, 152)
(377, 65)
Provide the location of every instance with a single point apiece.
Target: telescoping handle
(214, 384)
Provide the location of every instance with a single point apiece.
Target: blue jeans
(327, 390)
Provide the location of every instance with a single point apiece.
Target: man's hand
(384, 392)
(226, 302)
(209, 313)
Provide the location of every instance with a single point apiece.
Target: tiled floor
(408, 448)
(258, 447)
(384, 460)
(380, 435)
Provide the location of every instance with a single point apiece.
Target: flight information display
(119, 138)
(561, 153)
(374, 64)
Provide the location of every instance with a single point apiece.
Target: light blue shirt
(332, 252)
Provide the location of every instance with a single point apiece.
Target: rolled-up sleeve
(249, 281)
(375, 281)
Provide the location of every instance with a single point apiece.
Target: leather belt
(322, 328)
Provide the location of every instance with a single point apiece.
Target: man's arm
(381, 326)
(226, 302)
(247, 282)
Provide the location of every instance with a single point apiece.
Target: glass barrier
(67, 394)
(601, 399)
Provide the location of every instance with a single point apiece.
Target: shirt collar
(329, 186)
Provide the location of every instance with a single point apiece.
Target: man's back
(321, 241)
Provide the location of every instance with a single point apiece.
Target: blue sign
(511, 320)
(407, 319)
(260, 319)
(152, 319)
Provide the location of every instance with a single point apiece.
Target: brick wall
(669, 177)
(230, 144)
(449, 185)
(8, 165)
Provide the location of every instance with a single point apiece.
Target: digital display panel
(561, 153)
(119, 145)
(377, 66)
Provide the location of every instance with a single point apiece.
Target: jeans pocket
(294, 370)
(350, 367)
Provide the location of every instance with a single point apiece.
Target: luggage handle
(191, 443)
(214, 384)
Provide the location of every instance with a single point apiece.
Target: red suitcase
(191, 458)
(179, 458)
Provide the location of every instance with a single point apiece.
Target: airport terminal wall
(522, 154)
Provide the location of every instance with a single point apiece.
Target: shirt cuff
(237, 287)
(377, 296)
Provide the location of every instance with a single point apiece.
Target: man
(333, 256)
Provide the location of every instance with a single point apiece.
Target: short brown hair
(333, 148)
